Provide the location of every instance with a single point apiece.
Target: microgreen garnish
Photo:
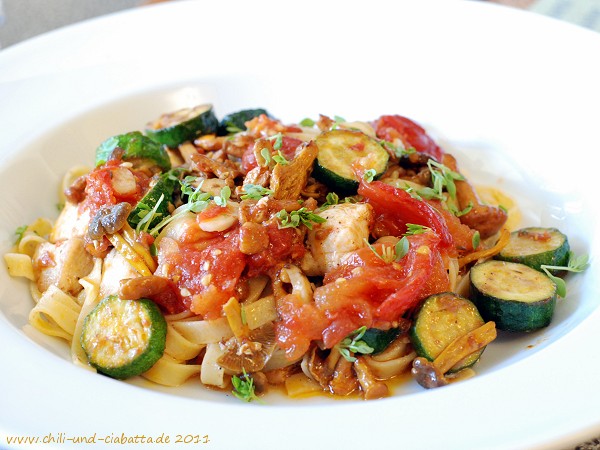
(147, 214)
(331, 199)
(369, 175)
(278, 141)
(60, 206)
(337, 121)
(454, 210)
(197, 201)
(280, 159)
(20, 231)
(353, 344)
(575, 264)
(243, 387)
(398, 150)
(391, 254)
(266, 154)
(307, 122)
(443, 177)
(413, 228)
(232, 129)
(296, 218)
(221, 199)
(476, 239)
(255, 192)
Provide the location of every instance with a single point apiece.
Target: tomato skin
(210, 272)
(410, 133)
(298, 325)
(367, 291)
(284, 244)
(394, 208)
(99, 190)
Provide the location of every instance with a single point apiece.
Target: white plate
(513, 94)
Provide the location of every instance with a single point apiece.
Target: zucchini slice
(515, 296)
(441, 319)
(236, 121)
(124, 338)
(184, 125)
(165, 187)
(135, 146)
(535, 247)
(378, 339)
(340, 151)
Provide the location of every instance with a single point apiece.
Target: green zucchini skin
(173, 129)
(441, 319)
(339, 150)
(378, 339)
(535, 247)
(165, 186)
(237, 120)
(135, 146)
(515, 296)
(124, 338)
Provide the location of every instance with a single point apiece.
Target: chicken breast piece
(71, 222)
(346, 227)
(115, 269)
(62, 264)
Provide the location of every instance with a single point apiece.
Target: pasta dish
(321, 256)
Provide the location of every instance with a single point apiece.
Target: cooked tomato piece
(369, 291)
(99, 189)
(207, 275)
(298, 325)
(394, 208)
(284, 244)
(410, 133)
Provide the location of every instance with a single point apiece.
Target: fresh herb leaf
(278, 138)
(280, 159)
(458, 213)
(369, 175)
(20, 232)
(398, 150)
(413, 228)
(401, 248)
(296, 218)
(221, 199)
(266, 154)
(331, 199)
(307, 122)
(243, 387)
(391, 254)
(353, 344)
(148, 215)
(232, 129)
(197, 201)
(442, 177)
(476, 239)
(255, 192)
(337, 121)
(575, 264)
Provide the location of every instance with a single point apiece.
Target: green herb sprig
(575, 264)
(255, 192)
(353, 344)
(299, 217)
(244, 388)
